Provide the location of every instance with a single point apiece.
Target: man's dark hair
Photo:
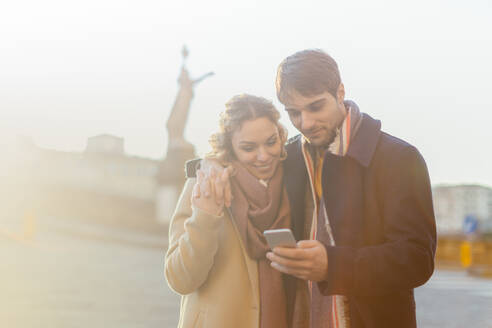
(308, 72)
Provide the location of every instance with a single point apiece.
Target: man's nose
(307, 122)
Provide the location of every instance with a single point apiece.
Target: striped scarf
(328, 311)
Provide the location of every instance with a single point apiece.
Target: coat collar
(251, 265)
(362, 146)
(364, 143)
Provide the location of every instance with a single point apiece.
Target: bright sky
(73, 69)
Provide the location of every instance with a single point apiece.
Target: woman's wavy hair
(241, 108)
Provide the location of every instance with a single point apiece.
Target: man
(360, 202)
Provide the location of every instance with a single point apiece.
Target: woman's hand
(208, 201)
(219, 186)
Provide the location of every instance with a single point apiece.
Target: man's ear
(340, 93)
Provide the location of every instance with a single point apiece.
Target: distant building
(102, 168)
(105, 144)
(453, 203)
(101, 184)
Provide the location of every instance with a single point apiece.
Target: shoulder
(293, 146)
(294, 140)
(391, 145)
(396, 152)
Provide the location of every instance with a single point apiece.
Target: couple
(357, 199)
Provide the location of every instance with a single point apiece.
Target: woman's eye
(272, 142)
(247, 149)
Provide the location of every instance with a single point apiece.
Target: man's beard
(330, 137)
(332, 134)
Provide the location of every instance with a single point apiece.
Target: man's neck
(320, 150)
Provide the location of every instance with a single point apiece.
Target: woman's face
(258, 147)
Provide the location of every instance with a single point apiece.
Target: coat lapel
(295, 179)
(251, 265)
(343, 195)
(343, 184)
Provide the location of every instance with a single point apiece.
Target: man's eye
(315, 108)
(248, 149)
(272, 142)
(293, 113)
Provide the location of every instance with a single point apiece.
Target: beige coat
(208, 265)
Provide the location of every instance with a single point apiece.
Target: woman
(216, 256)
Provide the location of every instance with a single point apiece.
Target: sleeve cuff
(205, 219)
(340, 277)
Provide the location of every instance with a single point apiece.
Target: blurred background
(90, 171)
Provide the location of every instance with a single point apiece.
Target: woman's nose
(262, 154)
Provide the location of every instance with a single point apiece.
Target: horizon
(126, 154)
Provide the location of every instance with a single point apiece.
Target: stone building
(101, 184)
(453, 203)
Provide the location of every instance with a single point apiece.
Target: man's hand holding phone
(308, 261)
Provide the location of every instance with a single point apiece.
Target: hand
(307, 261)
(221, 188)
(206, 201)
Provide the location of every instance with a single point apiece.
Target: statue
(179, 113)
(171, 171)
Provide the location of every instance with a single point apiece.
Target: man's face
(317, 117)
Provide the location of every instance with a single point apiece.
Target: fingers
(290, 267)
(298, 261)
(205, 201)
(203, 183)
(195, 193)
(308, 261)
(214, 181)
(210, 186)
(227, 186)
(223, 188)
(300, 268)
(308, 243)
(212, 176)
(287, 262)
(219, 190)
(291, 253)
(207, 164)
(299, 273)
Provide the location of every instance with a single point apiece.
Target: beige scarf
(330, 311)
(256, 208)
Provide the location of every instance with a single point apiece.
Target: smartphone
(280, 237)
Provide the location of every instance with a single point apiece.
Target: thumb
(307, 243)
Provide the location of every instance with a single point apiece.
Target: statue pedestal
(171, 178)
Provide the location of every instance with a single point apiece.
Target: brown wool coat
(207, 264)
(379, 203)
